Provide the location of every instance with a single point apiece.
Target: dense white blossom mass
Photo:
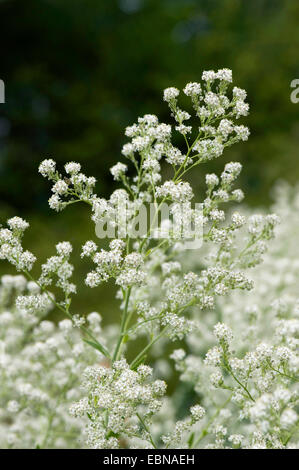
(228, 312)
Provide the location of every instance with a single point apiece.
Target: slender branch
(147, 430)
(211, 420)
(228, 368)
(119, 344)
(291, 377)
(147, 347)
(64, 310)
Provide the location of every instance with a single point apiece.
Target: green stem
(122, 327)
(136, 325)
(211, 420)
(291, 377)
(65, 311)
(147, 430)
(228, 368)
(147, 347)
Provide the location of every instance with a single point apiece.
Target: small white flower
(118, 171)
(47, 168)
(170, 94)
(72, 168)
(60, 187)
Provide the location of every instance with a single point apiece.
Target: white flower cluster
(125, 269)
(67, 189)
(59, 267)
(182, 428)
(180, 192)
(118, 171)
(253, 371)
(241, 347)
(119, 404)
(11, 245)
(40, 369)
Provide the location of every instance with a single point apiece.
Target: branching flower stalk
(168, 291)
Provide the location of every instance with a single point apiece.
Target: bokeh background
(78, 72)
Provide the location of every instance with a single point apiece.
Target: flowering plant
(243, 389)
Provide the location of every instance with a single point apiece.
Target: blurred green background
(78, 72)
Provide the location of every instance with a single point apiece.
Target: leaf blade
(99, 347)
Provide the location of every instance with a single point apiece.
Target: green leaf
(99, 347)
(191, 440)
(136, 364)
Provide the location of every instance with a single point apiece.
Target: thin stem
(228, 368)
(147, 430)
(211, 420)
(182, 167)
(289, 437)
(122, 328)
(48, 430)
(291, 377)
(147, 347)
(136, 325)
(52, 414)
(64, 310)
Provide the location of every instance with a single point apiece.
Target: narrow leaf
(136, 364)
(99, 347)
